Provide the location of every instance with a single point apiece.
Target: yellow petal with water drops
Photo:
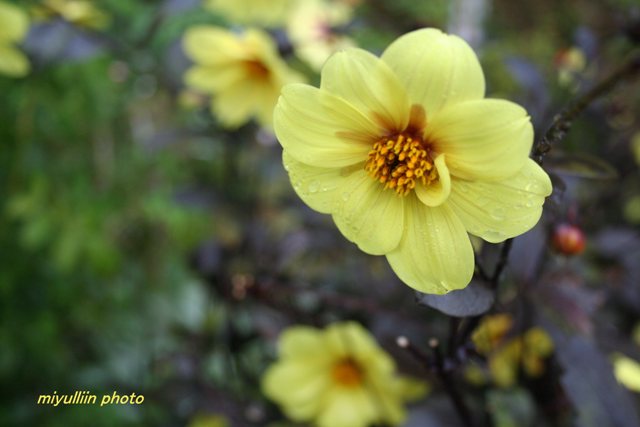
(320, 129)
(487, 139)
(496, 211)
(318, 187)
(13, 62)
(368, 84)
(436, 192)
(14, 23)
(435, 255)
(369, 215)
(435, 68)
(208, 45)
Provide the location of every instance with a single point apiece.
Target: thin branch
(438, 364)
(563, 121)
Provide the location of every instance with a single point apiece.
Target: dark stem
(438, 364)
(562, 122)
(448, 383)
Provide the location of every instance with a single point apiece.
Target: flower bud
(568, 239)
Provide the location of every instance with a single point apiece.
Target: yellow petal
(13, 62)
(296, 386)
(496, 211)
(436, 193)
(14, 23)
(317, 187)
(369, 215)
(486, 139)
(299, 341)
(435, 255)
(368, 84)
(208, 45)
(435, 68)
(348, 408)
(212, 79)
(320, 129)
(349, 339)
(627, 372)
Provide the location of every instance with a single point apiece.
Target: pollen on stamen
(401, 162)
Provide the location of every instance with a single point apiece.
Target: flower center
(347, 373)
(256, 69)
(400, 162)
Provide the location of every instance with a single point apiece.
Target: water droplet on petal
(345, 196)
(314, 186)
(498, 214)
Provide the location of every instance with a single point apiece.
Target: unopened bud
(568, 239)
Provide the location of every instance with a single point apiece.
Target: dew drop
(498, 214)
(346, 196)
(529, 203)
(314, 186)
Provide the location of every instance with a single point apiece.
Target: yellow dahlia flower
(311, 28)
(82, 13)
(260, 12)
(408, 157)
(337, 377)
(14, 24)
(506, 355)
(243, 72)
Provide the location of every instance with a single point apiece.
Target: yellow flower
(243, 72)
(337, 377)
(261, 12)
(14, 24)
(408, 157)
(627, 372)
(507, 355)
(82, 13)
(203, 420)
(311, 28)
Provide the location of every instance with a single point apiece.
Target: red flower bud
(568, 239)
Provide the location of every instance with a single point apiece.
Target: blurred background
(147, 247)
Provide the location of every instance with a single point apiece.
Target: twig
(563, 121)
(438, 364)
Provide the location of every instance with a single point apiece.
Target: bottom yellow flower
(506, 355)
(337, 377)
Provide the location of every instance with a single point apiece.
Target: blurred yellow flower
(14, 24)
(627, 372)
(208, 421)
(243, 72)
(507, 355)
(337, 377)
(82, 13)
(408, 157)
(259, 12)
(312, 30)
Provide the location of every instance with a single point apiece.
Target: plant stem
(562, 122)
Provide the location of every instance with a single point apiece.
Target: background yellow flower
(83, 13)
(243, 72)
(14, 24)
(337, 377)
(262, 12)
(407, 156)
(506, 354)
(312, 30)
